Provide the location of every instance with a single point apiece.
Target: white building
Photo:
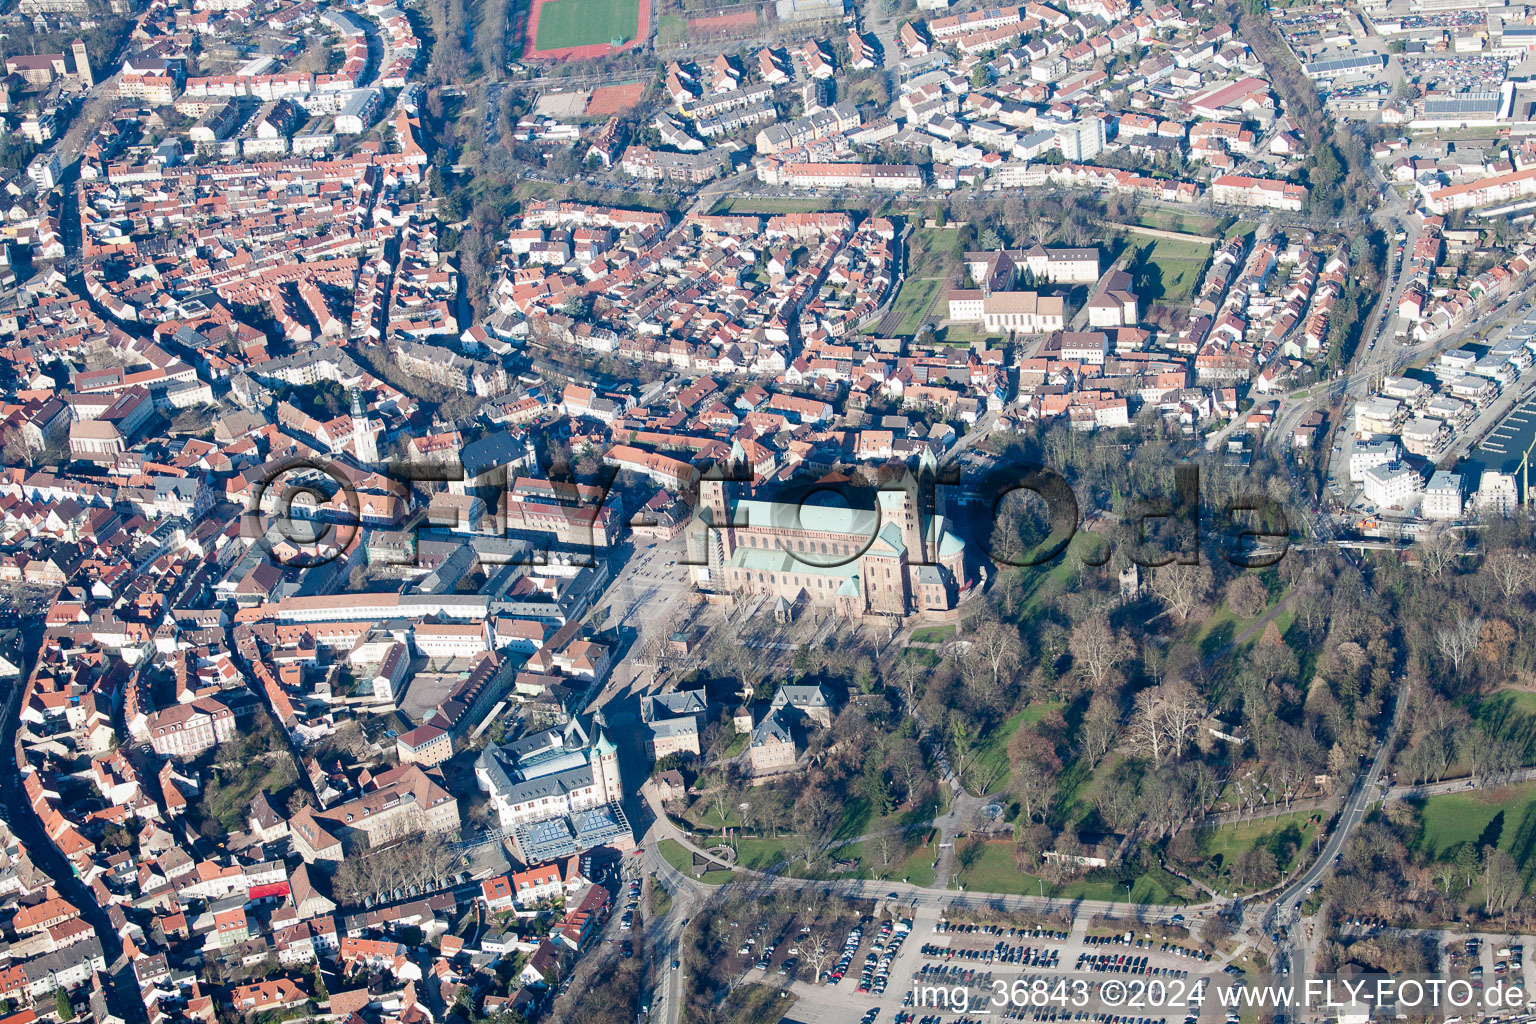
(1085, 347)
(452, 639)
(809, 10)
(1391, 486)
(1369, 456)
(1081, 141)
(1497, 493)
(1442, 498)
(358, 112)
(44, 170)
(558, 792)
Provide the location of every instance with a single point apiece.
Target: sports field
(570, 23)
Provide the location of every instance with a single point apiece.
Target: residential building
(672, 721)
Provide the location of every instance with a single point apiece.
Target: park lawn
(930, 252)
(759, 854)
(915, 867)
(859, 819)
(965, 335)
(1180, 279)
(994, 871)
(1170, 270)
(673, 853)
(1510, 714)
(1218, 629)
(527, 189)
(1058, 571)
(905, 816)
(737, 745)
(1454, 818)
(922, 654)
(992, 755)
(935, 634)
(227, 794)
(913, 301)
(1231, 843)
(1223, 624)
(565, 23)
(1524, 700)
(702, 817)
(660, 900)
(1078, 793)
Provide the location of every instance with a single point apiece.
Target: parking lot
(909, 974)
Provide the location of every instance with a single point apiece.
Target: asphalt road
(1283, 916)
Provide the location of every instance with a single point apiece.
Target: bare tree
(1146, 724)
(1439, 547)
(1493, 760)
(1180, 709)
(1458, 641)
(1101, 724)
(1513, 571)
(16, 450)
(1246, 596)
(1183, 588)
(885, 843)
(911, 670)
(1502, 882)
(820, 957)
(905, 758)
(1097, 648)
(1033, 788)
(997, 646)
(984, 774)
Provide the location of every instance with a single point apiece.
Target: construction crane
(1525, 473)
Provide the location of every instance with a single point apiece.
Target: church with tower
(365, 432)
(883, 554)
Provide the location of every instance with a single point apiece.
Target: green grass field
(1523, 700)
(671, 29)
(930, 252)
(1231, 843)
(993, 750)
(1169, 271)
(913, 302)
(674, 854)
(994, 871)
(1079, 788)
(1510, 715)
(1173, 220)
(1506, 817)
(915, 867)
(586, 22)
